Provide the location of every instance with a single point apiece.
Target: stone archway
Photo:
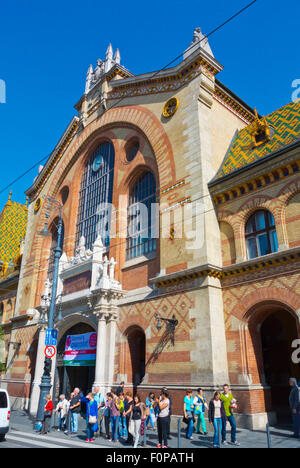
(67, 378)
(273, 327)
(135, 355)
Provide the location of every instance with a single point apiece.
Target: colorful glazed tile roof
(13, 222)
(285, 130)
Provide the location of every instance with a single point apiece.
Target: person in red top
(48, 410)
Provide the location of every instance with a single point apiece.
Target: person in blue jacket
(91, 416)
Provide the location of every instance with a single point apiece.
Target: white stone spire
(93, 76)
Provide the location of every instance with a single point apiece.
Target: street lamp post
(45, 385)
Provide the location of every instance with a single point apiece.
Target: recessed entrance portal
(69, 377)
(137, 354)
(273, 328)
(278, 331)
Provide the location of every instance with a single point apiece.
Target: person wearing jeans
(188, 409)
(115, 416)
(75, 404)
(163, 403)
(217, 417)
(227, 399)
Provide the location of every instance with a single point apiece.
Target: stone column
(111, 345)
(101, 353)
(39, 370)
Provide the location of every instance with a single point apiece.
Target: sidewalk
(280, 438)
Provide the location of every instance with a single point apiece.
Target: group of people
(220, 411)
(119, 414)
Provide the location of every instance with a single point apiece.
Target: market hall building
(222, 265)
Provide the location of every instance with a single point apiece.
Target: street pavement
(22, 435)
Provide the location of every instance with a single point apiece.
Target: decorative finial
(9, 202)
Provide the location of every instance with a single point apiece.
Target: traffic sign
(50, 351)
(51, 337)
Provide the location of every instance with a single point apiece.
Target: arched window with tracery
(260, 232)
(142, 217)
(95, 197)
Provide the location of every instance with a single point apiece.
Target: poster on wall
(80, 350)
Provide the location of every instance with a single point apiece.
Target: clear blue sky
(46, 48)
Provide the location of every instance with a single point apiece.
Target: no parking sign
(50, 351)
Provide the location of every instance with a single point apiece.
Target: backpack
(201, 403)
(120, 403)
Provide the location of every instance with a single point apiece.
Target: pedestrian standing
(295, 406)
(75, 404)
(229, 402)
(200, 406)
(48, 410)
(120, 389)
(128, 403)
(150, 400)
(107, 415)
(188, 410)
(123, 424)
(138, 415)
(62, 409)
(163, 404)
(114, 416)
(217, 417)
(99, 398)
(91, 416)
(170, 412)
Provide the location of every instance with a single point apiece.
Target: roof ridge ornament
(199, 41)
(260, 131)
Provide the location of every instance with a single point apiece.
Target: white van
(4, 413)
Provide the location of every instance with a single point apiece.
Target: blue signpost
(51, 337)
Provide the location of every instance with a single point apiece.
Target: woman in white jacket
(62, 409)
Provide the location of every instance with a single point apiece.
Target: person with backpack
(188, 411)
(199, 410)
(217, 417)
(294, 400)
(229, 404)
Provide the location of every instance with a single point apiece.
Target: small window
(261, 237)
(132, 148)
(64, 194)
(3, 400)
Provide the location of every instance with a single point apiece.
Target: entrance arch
(273, 328)
(136, 355)
(67, 377)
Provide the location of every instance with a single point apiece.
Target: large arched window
(95, 198)
(142, 217)
(261, 237)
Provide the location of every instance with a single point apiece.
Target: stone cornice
(249, 266)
